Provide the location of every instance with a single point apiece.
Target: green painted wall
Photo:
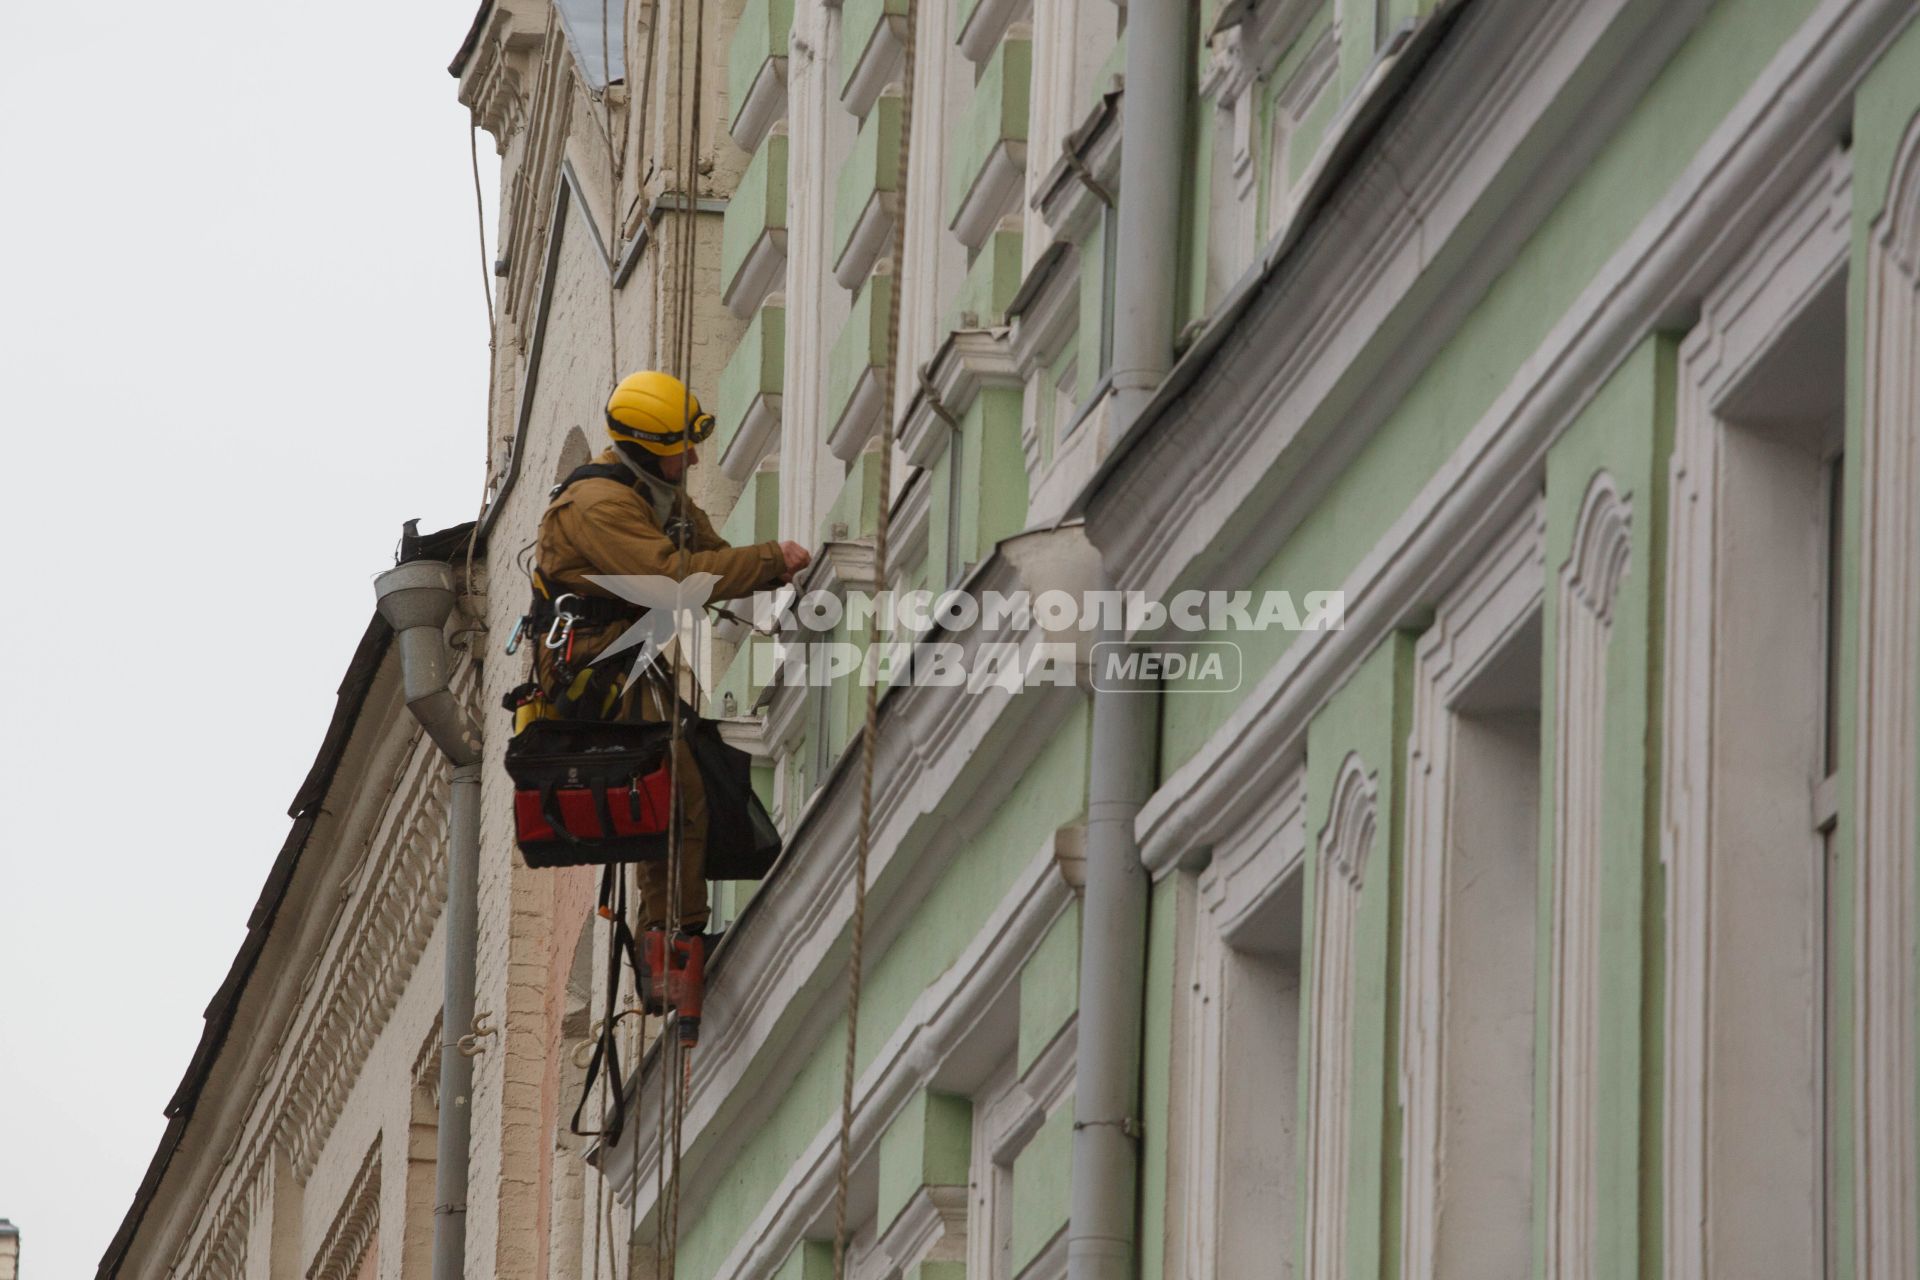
(992, 489)
(997, 114)
(859, 24)
(1049, 987)
(758, 203)
(757, 368)
(760, 35)
(1050, 794)
(862, 345)
(1687, 100)
(1370, 715)
(1169, 914)
(810, 1260)
(873, 170)
(1627, 431)
(929, 1144)
(1042, 1186)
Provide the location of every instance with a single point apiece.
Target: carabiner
(519, 630)
(561, 628)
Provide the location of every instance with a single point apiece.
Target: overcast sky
(242, 337)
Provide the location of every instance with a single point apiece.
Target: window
(1473, 860)
(1243, 1026)
(1753, 724)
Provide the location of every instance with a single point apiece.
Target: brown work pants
(645, 701)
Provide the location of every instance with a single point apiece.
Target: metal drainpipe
(1113, 928)
(416, 599)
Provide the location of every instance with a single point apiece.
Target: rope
(676, 1062)
(613, 186)
(480, 217)
(870, 737)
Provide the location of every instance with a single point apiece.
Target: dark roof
(349, 698)
(458, 66)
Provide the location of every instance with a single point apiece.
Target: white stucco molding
(967, 361)
(1472, 626)
(1740, 322)
(353, 1227)
(1343, 848)
(1885, 750)
(1588, 587)
(1779, 131)
(1236, 895)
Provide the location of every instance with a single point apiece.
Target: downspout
(416, 599)
(1113, 923)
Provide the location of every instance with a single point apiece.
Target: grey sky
(241, 339)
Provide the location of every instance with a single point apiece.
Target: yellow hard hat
(657, 412)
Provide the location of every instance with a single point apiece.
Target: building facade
(1554, 914)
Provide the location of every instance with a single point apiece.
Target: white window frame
(1795, 260)
(1475, 625)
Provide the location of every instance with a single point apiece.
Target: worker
(627, 513)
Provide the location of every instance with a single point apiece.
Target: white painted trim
(993, 194)
(1245, 874)
(762, 272)
(1887, 1137)
(1344, 845)
(764, 106)
(757, 435)
(985, 27)
(870, 234)
(1589, 585)
(1471, 626)
(967, 361)
(860, 419)
(1762, 150)
(1740, 322)
(1250, 864)
(878, 65)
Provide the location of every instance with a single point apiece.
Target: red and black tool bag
(588, 792)
(591, 792)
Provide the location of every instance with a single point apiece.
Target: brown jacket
(615, 528)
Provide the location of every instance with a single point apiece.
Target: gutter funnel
(416, 599)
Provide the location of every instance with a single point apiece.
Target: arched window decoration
(1884, 743)
(1589, 585)
(1344, 847)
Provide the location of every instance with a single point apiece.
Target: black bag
(592, 792)
(742, 842)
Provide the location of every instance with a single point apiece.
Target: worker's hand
(797, 556)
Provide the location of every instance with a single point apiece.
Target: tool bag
(592, 792)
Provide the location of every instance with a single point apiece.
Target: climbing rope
(676, 1061)
(870, 737)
